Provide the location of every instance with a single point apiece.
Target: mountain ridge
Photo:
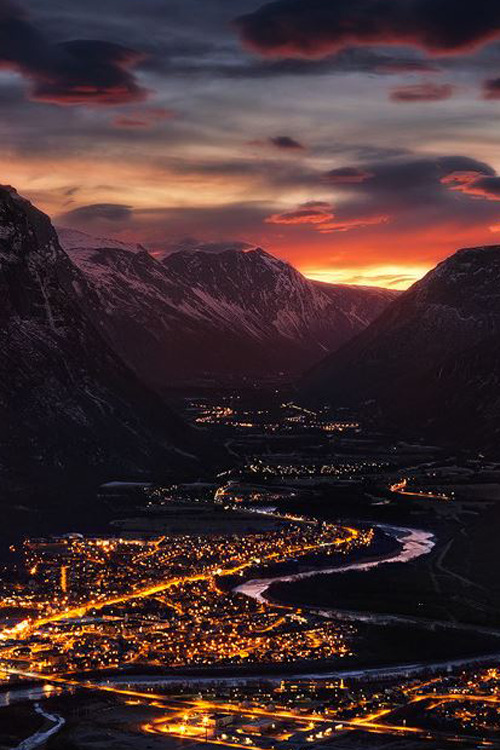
(238, 311)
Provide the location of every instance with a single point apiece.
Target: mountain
(69, 407)
(73, 239)
(218, 310)
(432, 360)
(462, 404)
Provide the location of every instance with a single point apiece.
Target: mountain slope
(432, 359)
(458, 400)
(68, 405)
(272, 300)
(73, 239)
(218, 310)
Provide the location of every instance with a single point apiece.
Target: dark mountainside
(431, 362)
(69, 408)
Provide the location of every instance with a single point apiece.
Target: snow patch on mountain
(73, 239)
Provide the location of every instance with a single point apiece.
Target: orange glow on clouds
(348, 224)
(315, 236)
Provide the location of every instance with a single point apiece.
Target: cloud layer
(69, 72)
(316, 28)
(323, 147)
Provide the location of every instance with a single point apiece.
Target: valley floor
(332, 566)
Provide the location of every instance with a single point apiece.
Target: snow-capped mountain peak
(225, 307)
(73, 239)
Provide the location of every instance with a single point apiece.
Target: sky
(357, 139)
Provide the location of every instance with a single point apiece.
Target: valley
(191, 556)
(281, 575)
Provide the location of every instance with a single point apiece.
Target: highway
(399, 488)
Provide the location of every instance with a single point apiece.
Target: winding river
(414, 544)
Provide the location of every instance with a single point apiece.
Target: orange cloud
(422, 92)
(320, 215)
(474, 184)
(143, 118)
(347, 224)
(314, 212)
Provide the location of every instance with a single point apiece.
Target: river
(414, 544)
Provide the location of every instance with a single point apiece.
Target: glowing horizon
(389, 277)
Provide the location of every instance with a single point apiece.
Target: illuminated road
(315, 726)
(399, 488)
(376, 723)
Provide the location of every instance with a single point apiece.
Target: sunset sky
(358, 139)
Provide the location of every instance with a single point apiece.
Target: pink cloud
(422, 92)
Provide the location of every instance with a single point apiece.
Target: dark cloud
(408, 192)
(405, 178)
(415, 191)
(315, 28)
(347, 175)
(160, 227)
(422, 92)
(491, 88)
(98, 212)
(397, 67)
(71, 72)
(182, 39)
(286, 143)
(217, 58)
